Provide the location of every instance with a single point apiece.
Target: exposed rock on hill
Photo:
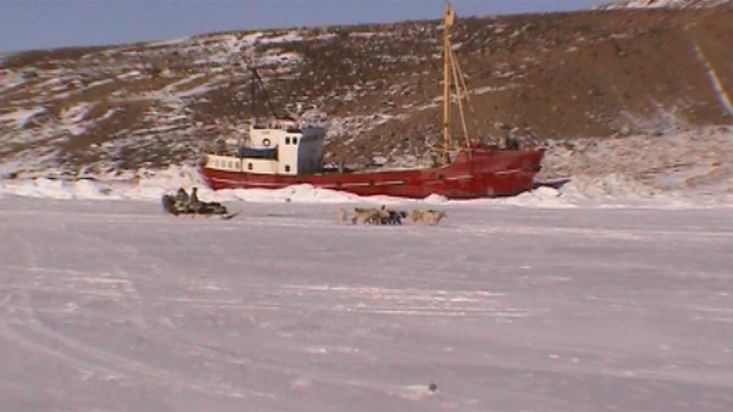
(673, 4)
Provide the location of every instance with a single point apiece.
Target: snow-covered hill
(559, 80)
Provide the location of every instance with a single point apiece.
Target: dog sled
(384, 216)
(184, 204)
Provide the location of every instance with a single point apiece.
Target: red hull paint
(483, 173)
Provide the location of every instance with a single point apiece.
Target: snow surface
(114, 305)
(169, 42)
(285, 38)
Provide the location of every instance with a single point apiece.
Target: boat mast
(254, 99)
(257, 79)
(448, 17)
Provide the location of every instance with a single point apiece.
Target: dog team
(384, 216)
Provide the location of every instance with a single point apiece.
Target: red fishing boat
(281, 152)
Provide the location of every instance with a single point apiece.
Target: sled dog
(367, 216)
(430, 216)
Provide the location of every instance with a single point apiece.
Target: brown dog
(366, 216)
(430, 216)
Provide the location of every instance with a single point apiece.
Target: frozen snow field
(113, 305)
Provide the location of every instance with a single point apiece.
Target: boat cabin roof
(275, 123)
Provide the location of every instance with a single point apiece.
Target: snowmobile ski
(230, 215)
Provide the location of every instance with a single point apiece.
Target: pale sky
(34, 24)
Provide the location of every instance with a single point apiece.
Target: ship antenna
(264, 91)
(257, 79)
(448, 18)
(452, 75)
(250, 65)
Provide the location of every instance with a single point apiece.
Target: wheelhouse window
(287, 168)
(287, 140)
(249, 166)
(295, 140)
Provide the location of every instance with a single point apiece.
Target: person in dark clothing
(181, 200)
(194, 205)
(510, 141)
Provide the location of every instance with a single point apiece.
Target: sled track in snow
(31, 335)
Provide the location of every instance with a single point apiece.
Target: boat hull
(473, 174)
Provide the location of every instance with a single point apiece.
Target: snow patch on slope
(9, 78)
(21, 117)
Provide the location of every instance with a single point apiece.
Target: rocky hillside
(673, 4)
(546, 78)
